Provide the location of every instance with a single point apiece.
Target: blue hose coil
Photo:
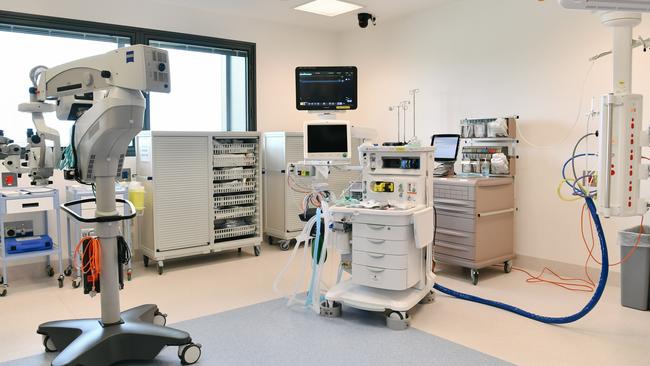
(546, 319)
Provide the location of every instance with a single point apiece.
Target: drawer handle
(452, 233)
(30, 205)
(452, 202)
(452, 246)
(377, 241)
(376, 255)
(376, 227)
(376, 270)
(494, 213)
(455, 209)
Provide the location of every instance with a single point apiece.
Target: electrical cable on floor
(545, 319)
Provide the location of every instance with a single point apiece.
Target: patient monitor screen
(326, 88)
(327, 138)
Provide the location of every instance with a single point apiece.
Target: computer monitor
(326, 88)
(446, 147)
(328, 140)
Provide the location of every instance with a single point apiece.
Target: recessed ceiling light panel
(330, 8)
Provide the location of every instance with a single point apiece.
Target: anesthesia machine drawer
(388, 279)
(388, 232)
(393, 247)
(380, 260)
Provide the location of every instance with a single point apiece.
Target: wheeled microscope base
(89, 342)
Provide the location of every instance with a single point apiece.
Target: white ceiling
(281, 11)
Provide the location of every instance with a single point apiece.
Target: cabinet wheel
(145, 259)
(257, 250)
(160, 268)
(68, 271)
(474, 276)
(49, 271)
(507, 266)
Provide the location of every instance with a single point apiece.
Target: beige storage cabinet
(474, 222)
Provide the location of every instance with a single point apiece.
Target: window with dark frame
(233, 61)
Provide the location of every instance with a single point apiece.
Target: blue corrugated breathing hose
(546, 319)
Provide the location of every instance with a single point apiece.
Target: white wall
(477, 58)
(280, 48)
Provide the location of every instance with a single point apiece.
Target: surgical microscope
(104, 95)
(38, 159)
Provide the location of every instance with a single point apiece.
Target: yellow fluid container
(136, 195)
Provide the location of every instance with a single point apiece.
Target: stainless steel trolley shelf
(234, 200)
(234, 212)
(233, 160)
(233, 174)
(234, 186)
(232, 232)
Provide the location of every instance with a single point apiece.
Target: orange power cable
(92, 251)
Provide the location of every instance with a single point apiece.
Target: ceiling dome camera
(364, 18)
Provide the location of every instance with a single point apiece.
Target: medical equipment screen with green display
(326, 88)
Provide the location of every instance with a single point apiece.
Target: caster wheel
(160, 269)
(159, 319)
(68, 271)
(270, 240)
(48, 344)
(285, 245)
(474, 276)
(3, 292)
(129, 274)
(76, 282)
(507, 267)
(145, 259)
(61, 278)
(189, 353)
(49, 271)
(257, 250)
(398, 320)
(431, 297)
(330, 309)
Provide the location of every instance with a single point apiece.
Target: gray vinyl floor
(271, 334)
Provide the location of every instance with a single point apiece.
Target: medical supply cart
(282, 204)
(18, 205)
(474, 222)
(76, 230)
(202, 193)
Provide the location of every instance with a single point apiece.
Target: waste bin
(635, 272)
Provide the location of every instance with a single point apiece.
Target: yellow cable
(559, 191)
